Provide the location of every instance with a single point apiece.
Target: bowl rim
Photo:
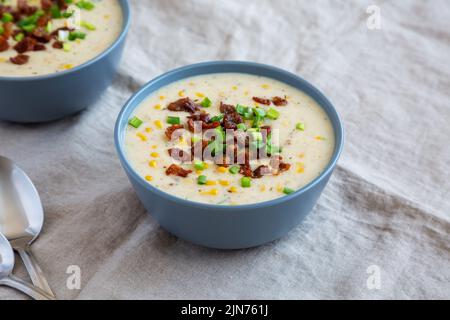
(130, 104)
(126, 13)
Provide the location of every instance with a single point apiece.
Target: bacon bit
(25, 45)
(19, 59)
(8, 30)
(39, 47)
(231, 117)
(41, 35)
(184, 104)
(279, 102)
(177, 171)
(246, 170)
(58, 45)
(262, 101)
(46, 4)
(25, 9)
(4, 45)
(261, 171)
(227, 108)
(44, 20)
(278, 165)
(180, 155)
(170, 130)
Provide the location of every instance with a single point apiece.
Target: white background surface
(386, 205)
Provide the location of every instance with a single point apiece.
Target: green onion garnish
(86, 5)
(173, 120)
(206, 103)
(29, 27)
(272, 114)
(88, 25)
(242, 126)
(49, 27)
(74, 35)
(135, 122)
(241, 109)
(2, 30)
(300, 126)
(7, 17)
(216, 118)
(67, 47)
(234, 169)
(199, 165)
(256, 136)
(202, 180)
(19, 37)
(287, 190)
(246, 182)
(259, 112)
(195, 139)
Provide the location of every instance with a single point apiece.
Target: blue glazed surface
(228, 227)
(54, 96)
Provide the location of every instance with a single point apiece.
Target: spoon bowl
(21, 216)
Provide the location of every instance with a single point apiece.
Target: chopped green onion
(7, 17)
(86, 5)
(248, 115)
(173, 120)
(300, 126)
(202, 180)
(49, 27)
(195, 139)
(199, 165)
(88, 25)
(216, 118)
(256, 136)
(67, 47)
(246, 182)
(242, 126)
(206, 103)
(2, 30)
(241, 109)
(271, 149)
(272, 114)
(287, 190)
(222, 133)
(135, 122)
(257, 120)
(19, 37)
(29, 27)
(259, 112)
(74, 35)
(234, 169)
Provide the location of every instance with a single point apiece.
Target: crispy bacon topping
(20, 59)
(170, 130)
(177, 171)
(261, 171)
(27, 44)
(231, 117)
(279, 102)
(4, 45)
(262, 101)
(184, 104)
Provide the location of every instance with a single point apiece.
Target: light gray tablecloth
(386, 209)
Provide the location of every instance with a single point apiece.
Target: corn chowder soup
(39, 37)
(268, 139)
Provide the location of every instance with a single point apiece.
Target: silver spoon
(7, 279)
(21, 217)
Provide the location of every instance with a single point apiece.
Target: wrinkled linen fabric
(382, 226)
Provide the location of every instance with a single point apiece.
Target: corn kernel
(262, 188)
(157, 107)
(265, 86)
(106, 16)
(212, 192)
(148, 130)
(301, 155)
(224, 183)
(140, 135)
(154, 154)
(211, 183)
(280, 188)
(158, 124)
(222, 169)
(319, 138)
(154, 146)
(198, 172)
(191, 84)
(234, 87)
(200, 95)
(161, 97)
(300, 167)
(233, 190)
(68, 66)
(152, 163)
(149, 178)
(181, 93)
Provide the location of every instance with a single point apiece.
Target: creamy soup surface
(306, 138)
(101, 25)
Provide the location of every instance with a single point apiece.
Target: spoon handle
(26, 288)
(35, 272)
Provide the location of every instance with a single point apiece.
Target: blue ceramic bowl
(228, 227)
(54, 96)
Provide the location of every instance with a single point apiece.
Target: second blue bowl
(228, 227)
